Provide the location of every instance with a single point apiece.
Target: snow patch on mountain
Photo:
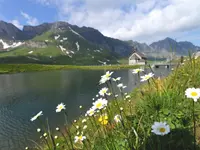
(64, 38)
(97, 51)
(75, 32)
(104, 63)
(6, 45)
(56, 37)
(33, 58)
(78, 46)
(72, 52)
(64, 50)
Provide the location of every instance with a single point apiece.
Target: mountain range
(63, 43)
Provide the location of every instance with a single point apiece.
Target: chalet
(137, 58)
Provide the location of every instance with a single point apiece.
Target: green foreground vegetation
(17, 68)
(126, 123)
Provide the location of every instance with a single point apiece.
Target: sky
(137, 20)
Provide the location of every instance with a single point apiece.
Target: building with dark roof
(137, 58)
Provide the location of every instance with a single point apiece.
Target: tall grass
(155, 116)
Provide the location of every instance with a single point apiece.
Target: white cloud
(17, 23)
(143, 20)
(30, 20)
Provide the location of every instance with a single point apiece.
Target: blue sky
(139, 20)
(11, 9)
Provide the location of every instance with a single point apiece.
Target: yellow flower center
(194, 93)
(107, 75)
(162, 130)
(91, 112)
(80, 137)
(104, 91)
(137, 70)
(98, 105)
(60, 107)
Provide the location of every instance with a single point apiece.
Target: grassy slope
(86, 55)
(160, 100)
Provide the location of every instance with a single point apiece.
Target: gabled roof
(141, 55)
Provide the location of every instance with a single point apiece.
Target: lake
(25, 94)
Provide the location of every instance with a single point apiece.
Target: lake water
(25, 94)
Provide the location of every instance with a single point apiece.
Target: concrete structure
(137, 58)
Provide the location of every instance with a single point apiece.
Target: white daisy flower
(26, 147)
(193, 93)
(84, 127)
(60, 107)
(103, 91)
(36, 116)
(128, 96)
(38, 130)
(45, 134)
(160, 128)
(84, 120)
(55, 137)
(100, 103)
(109, 94)
(121, 108)
(90, 112)
(57, 129)
(105, 77)
(135, 71)
(116, 79)
(57, 144)
(79, 138)
(146, 77)
(120, 85)
(117, 118)
(124, 87)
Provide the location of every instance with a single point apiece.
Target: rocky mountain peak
(9, 31)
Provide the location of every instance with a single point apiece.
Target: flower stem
(194, 121)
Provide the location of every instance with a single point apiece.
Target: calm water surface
(25, 94)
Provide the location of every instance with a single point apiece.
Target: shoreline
(20, 68)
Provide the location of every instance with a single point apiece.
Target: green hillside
(59, 47)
